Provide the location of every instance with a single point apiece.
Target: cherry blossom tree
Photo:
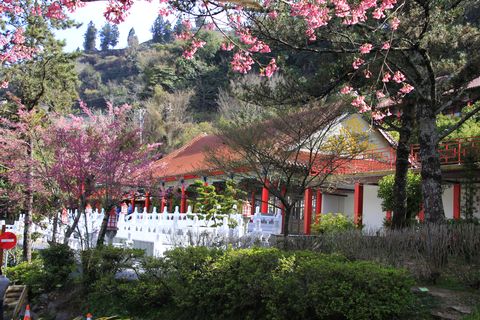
(97, 156)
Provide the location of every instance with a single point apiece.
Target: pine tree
(168, 32)
(179, 28)
(161, 30)
(105, 36)
(90, 37)
(114, 35)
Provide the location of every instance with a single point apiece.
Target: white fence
(156, 232)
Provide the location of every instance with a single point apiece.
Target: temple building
(355, 195)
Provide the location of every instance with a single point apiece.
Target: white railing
(157, 232)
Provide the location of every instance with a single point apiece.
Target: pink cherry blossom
(242, 62)
(378, 13)
(270, 69)
(194, 46)
(378, 115)
(346, 90)
(342, 8)
(227, 46)
(357, 63)
(399, 77)
(4, 84)
(386, 77)
(273, 14)
(366, 48)
(386, 45)
(367, 74)
(380, 94)
(395, 23)
(164, 12)
(407, 88)
(359, 102)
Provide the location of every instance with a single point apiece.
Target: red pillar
(265, 196)
(388, 215)
(147, 200)
(318, 202)
(252, 210)
(307, 211)
(421, 214)
(183, 200)
(358, 204)
(456, 201)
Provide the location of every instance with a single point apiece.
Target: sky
(141, 17)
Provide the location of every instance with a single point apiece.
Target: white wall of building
(348, 206)
(373, 215)
(332, 203)
(447, 199)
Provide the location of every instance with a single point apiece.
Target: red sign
(8, 240)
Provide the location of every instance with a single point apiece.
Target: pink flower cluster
(227, 46)
(242, 62)
(117, 10)
(360, 104)
(194, 46)
(315, 14)
(270, 69)
(366, 48)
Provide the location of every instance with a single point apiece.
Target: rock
(443, 315)
(462, 309)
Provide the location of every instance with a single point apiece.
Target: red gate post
(456, 200)
(307, 211)
(358, 204)
(265, 196)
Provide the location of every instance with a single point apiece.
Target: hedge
(200, 283)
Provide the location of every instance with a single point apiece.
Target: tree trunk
(71, 229)
(430, 159)
(286, 221)
(27, 230)
(55, 228)
(103, 228)
(400, 214)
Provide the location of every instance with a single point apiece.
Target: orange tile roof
(189, 159)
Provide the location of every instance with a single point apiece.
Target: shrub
(413, 190)
(201, 283)
(332, 222)
(30, 274)
(58, 263)
(271, 284)
(106, 261)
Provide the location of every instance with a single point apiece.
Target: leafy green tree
(90, 37)
(386, 192)
(469, 128)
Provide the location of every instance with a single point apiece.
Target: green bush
(332, 222)
(200, 283)
(106, 261)
(414, 194)
(58, 263)
(30, 274)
